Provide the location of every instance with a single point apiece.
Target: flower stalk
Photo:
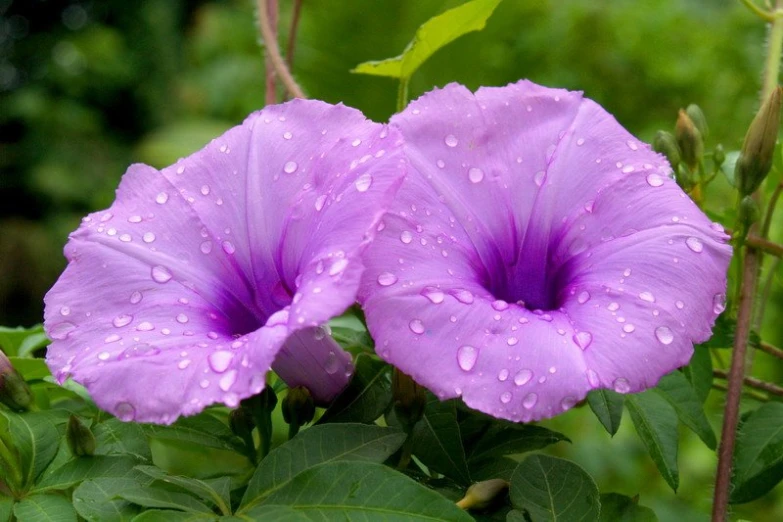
(273, 51)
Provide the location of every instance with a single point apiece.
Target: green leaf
(151, 497)
(367, 396)
(349, 331)
(678, 392)
(551, 489)
(316, 445)
(619, 508)
(45, 508)
(77, 470)
(502, 468)
(437, 440)
(36, 440)
(166, 515)
(22, 342)
(6, 508)
(758, 457)
(276, 513)
(363, 491)
(95, 500)
(194, 486)
(30, 369)
(607, 405)
(114, 437)
(699, 372)
(656, 423)
(503, 439)
(202, 430)
(435, 33)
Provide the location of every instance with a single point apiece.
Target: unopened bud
(719, 155)
(260, 408)
(298, 406)
(80, 439)
(689, 139)
(665, 143)
(14, 391)
(684, 177)
(696, 115)
(756, 156)
(241, 423)
(749, 212)
(409, 399)
(482, 494)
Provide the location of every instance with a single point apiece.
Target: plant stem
(765, 245)
(772, 350)
(764, 15)
(773, 200)
(767, 288)
(402, 94)
(271, 12)
(753, 383)
(753, 394)
(273, 52)
(289, 52)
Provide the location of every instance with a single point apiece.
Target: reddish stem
(269, 69)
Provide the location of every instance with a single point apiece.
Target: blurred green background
(88, 87)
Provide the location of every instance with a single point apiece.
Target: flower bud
(689, 139)
(755, 158)
(482, 494)
(298, 406)
(14, 391)
(749, 212)
(409, 400)
(80, 439)
(684, 177)
(241, 423)
(696, 115)
(260, 408)
(719, 155)
(665, 143)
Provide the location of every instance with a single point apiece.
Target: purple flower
(203, 275)
(537, 251)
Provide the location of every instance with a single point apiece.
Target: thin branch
(765, 245)
(273, 51)
(773, 200)
(752, 382)
(764, 15)
(289, 53)
(753, 394)
(271, 13)
(772, 350)
(765, 292)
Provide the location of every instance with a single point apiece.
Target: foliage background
(86, 88)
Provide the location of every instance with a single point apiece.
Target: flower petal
(219, 260)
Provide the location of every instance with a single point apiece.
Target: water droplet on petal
(416, 326)
(523, 377)
(205, 190)
(613, 307)
(161, 274)
(356, 142)
(184, 363)
(679, 304)
(319, 202)
(664, 335)
(511, 341)
(338, 266)
(503, 375)
(593, 379)
(220, 360)
(451, 140)
(65, 310)
(387, 279)
(363, 183)
(332, 364)
(505, 397)
(104, 356)
(206, 247)
(647, 296)
(475, 175)
(227, 381)
(539, 177)
(583, 297)
(499, 305)
(433, 294)
(125, 411)
(463, 296)
(530, 400)
(583, 339)
(161, 198)
(695, 244)
(228, 247)
(145, 326)
(113, 338)
(466, 357)
(406, 237)
(621, 385)
(287, 135)
(182, 318)
(290, 167)
(148, 237)
(122, 320)
(125, 238)
(628, 328)
(567, 403)
(719, 303)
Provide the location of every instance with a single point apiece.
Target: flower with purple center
(536, 251)
(202, 276)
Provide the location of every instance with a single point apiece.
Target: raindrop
(451, 140)
(161, 198)
(695, 244)
(205, 190)
(65, 310)
(530, 400)
(125, 411)
(613, 307)
(539, 177)
(416, 326)
(583, 297)
(182, 318)
(228, 247)
(433, 294)
(356, 142)
(627, 272)
(228, 380)
(466, 357)
(338, 266)
(363, 182)
(183, 364)
(332, 364)
(61, 330)
(104, 356)
(523, 377)
(664, 335)
(647, 296)
(161, 274)
(679, 304)
(475, 175)
(290, 167)
(206, 247)
(440, 163)
(122, 320)
(511, 341)
(592, 378)
(500, 305)
(580, 142)
(503, 375)
(406, 237)
(134, 219)
(145, 326)
(319, 202)
(387, 279)
(287, 135)
(463, 296)
(568, 403)
(113, 338)
(220, 360)
(148, 237)
(719, 303)
(628, 328)
(583, 339)
(505, 397)
(654, 180)
(125, 238)
(621, 385)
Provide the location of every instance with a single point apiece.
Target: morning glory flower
(202, 276)
(536, 251)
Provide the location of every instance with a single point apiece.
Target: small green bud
(260, 408)
(241, 423)
(756, 156)
(689, 139)
(749, 212)
(665, 143)
(482, 494)
(80, 439)
(718, 155)
(298, 406)
(696, 115)
(14, 391)
(684, 177)
(409, 400)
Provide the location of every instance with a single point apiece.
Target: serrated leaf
(114, 437)
(699, 372)
(437, 440)
(202, 430)
(151, 497)
(22, 342)
(554, 489)
(167, 515)
(45, 508)
(316, 445)
(77, 470)
(656, 423)
(678, 392)
(350, 490)
(758, 456)
(367, 396)
(35, 438)
(619, 508)
(607, 405)
(435, 33)
(95, 500)
(191, 485)
(503, 439)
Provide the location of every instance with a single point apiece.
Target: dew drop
(356, 142)
(184, 363)
(451, 140)
(530, 400)
(592, 378)
(463, 296)
(161, 198)
(145, 326)
(228, 247)
(441, 164)
(647, 296)
(475, 175)
(416, 326)
(161, 274)
(125, 238)
(628, 328)
(406, 237)
(61, 330)
(500, 305)
(227, 381)
(583, 297)
(122, 320)
(182, 318)
(338, 266)
(205, 190)
(503, 375)
(332, 364)
(113, 338)
(580, 142)
(523, 377)
(679, 304)
(125, 411)
(220, 360)
(290, 167)
(287, 135)
(387, 279)
(664, 335)
(719, 303)
(505, 397)
(104, 356)
(433, 294)
(613, 307)
(695, 244)
(206, 247)
(621, 385)
(511, 341)
(466, 357)
(539, 177)
(583, 339)
(363, 182)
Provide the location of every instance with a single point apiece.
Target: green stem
(772, 64)
(773, 201)
(402, 94)
(407, 452)
(764, 15)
